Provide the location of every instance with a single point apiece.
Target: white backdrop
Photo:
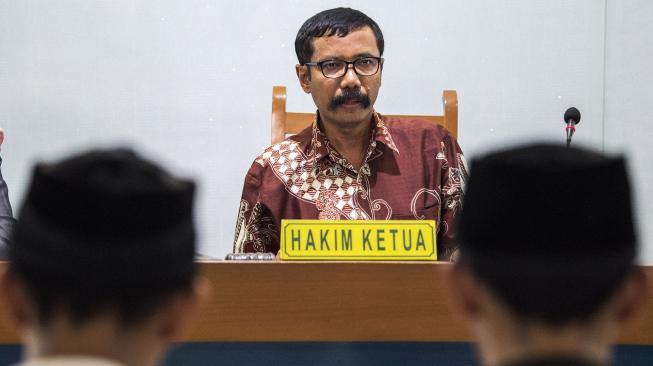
(189, 82)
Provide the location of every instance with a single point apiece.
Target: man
(546, 272)
(6, 217)
(352, 163)
(101, 267)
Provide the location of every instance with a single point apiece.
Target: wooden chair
(289, 123)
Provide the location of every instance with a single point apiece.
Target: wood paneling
(336, 301)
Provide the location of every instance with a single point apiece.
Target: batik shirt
(413, 170)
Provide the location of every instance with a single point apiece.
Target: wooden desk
(337, 301)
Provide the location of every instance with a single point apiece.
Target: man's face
(341, 101)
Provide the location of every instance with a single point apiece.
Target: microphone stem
(571, 128)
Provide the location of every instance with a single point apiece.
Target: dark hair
(555, 292)
(339, 22)
(104, 231)
(548, 229)
(131, 306)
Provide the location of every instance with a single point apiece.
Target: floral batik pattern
(420, 176)
(255, 228)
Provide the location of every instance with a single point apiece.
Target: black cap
(547, 201)
(107, 219)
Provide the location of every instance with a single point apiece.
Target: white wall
(629, 101)
(189, 82)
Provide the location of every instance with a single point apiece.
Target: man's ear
(183, 309)
(16, 300)
(464, 291)
(304, 77)
(631, 297)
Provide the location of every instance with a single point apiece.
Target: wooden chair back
(289, 123)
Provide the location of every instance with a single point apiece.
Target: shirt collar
(321, 147)
(382, 134)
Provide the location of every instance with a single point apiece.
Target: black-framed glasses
(363, 66)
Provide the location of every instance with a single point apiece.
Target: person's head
(105, 239)
(343, 93)
(547, 250)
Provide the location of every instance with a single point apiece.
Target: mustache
(348, 95)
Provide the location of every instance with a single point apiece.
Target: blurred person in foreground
(101, 267)
(559, 284)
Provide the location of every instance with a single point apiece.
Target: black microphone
(572, 118)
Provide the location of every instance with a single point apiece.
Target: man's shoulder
(281, 164)
(415, 126)
(285, 149)
(290, 147)
(412, 133)
(287, 154)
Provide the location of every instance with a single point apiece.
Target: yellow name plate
(391, 240)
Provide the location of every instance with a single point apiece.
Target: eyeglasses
(364, 66)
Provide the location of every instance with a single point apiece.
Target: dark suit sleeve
(6, 217)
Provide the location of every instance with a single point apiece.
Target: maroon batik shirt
(413, 170)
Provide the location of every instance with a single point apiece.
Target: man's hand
(2, 136)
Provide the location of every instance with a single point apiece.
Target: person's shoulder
(279, 161)
(415, 128)
(286, 150)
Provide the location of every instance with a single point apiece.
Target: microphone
(572, 118)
